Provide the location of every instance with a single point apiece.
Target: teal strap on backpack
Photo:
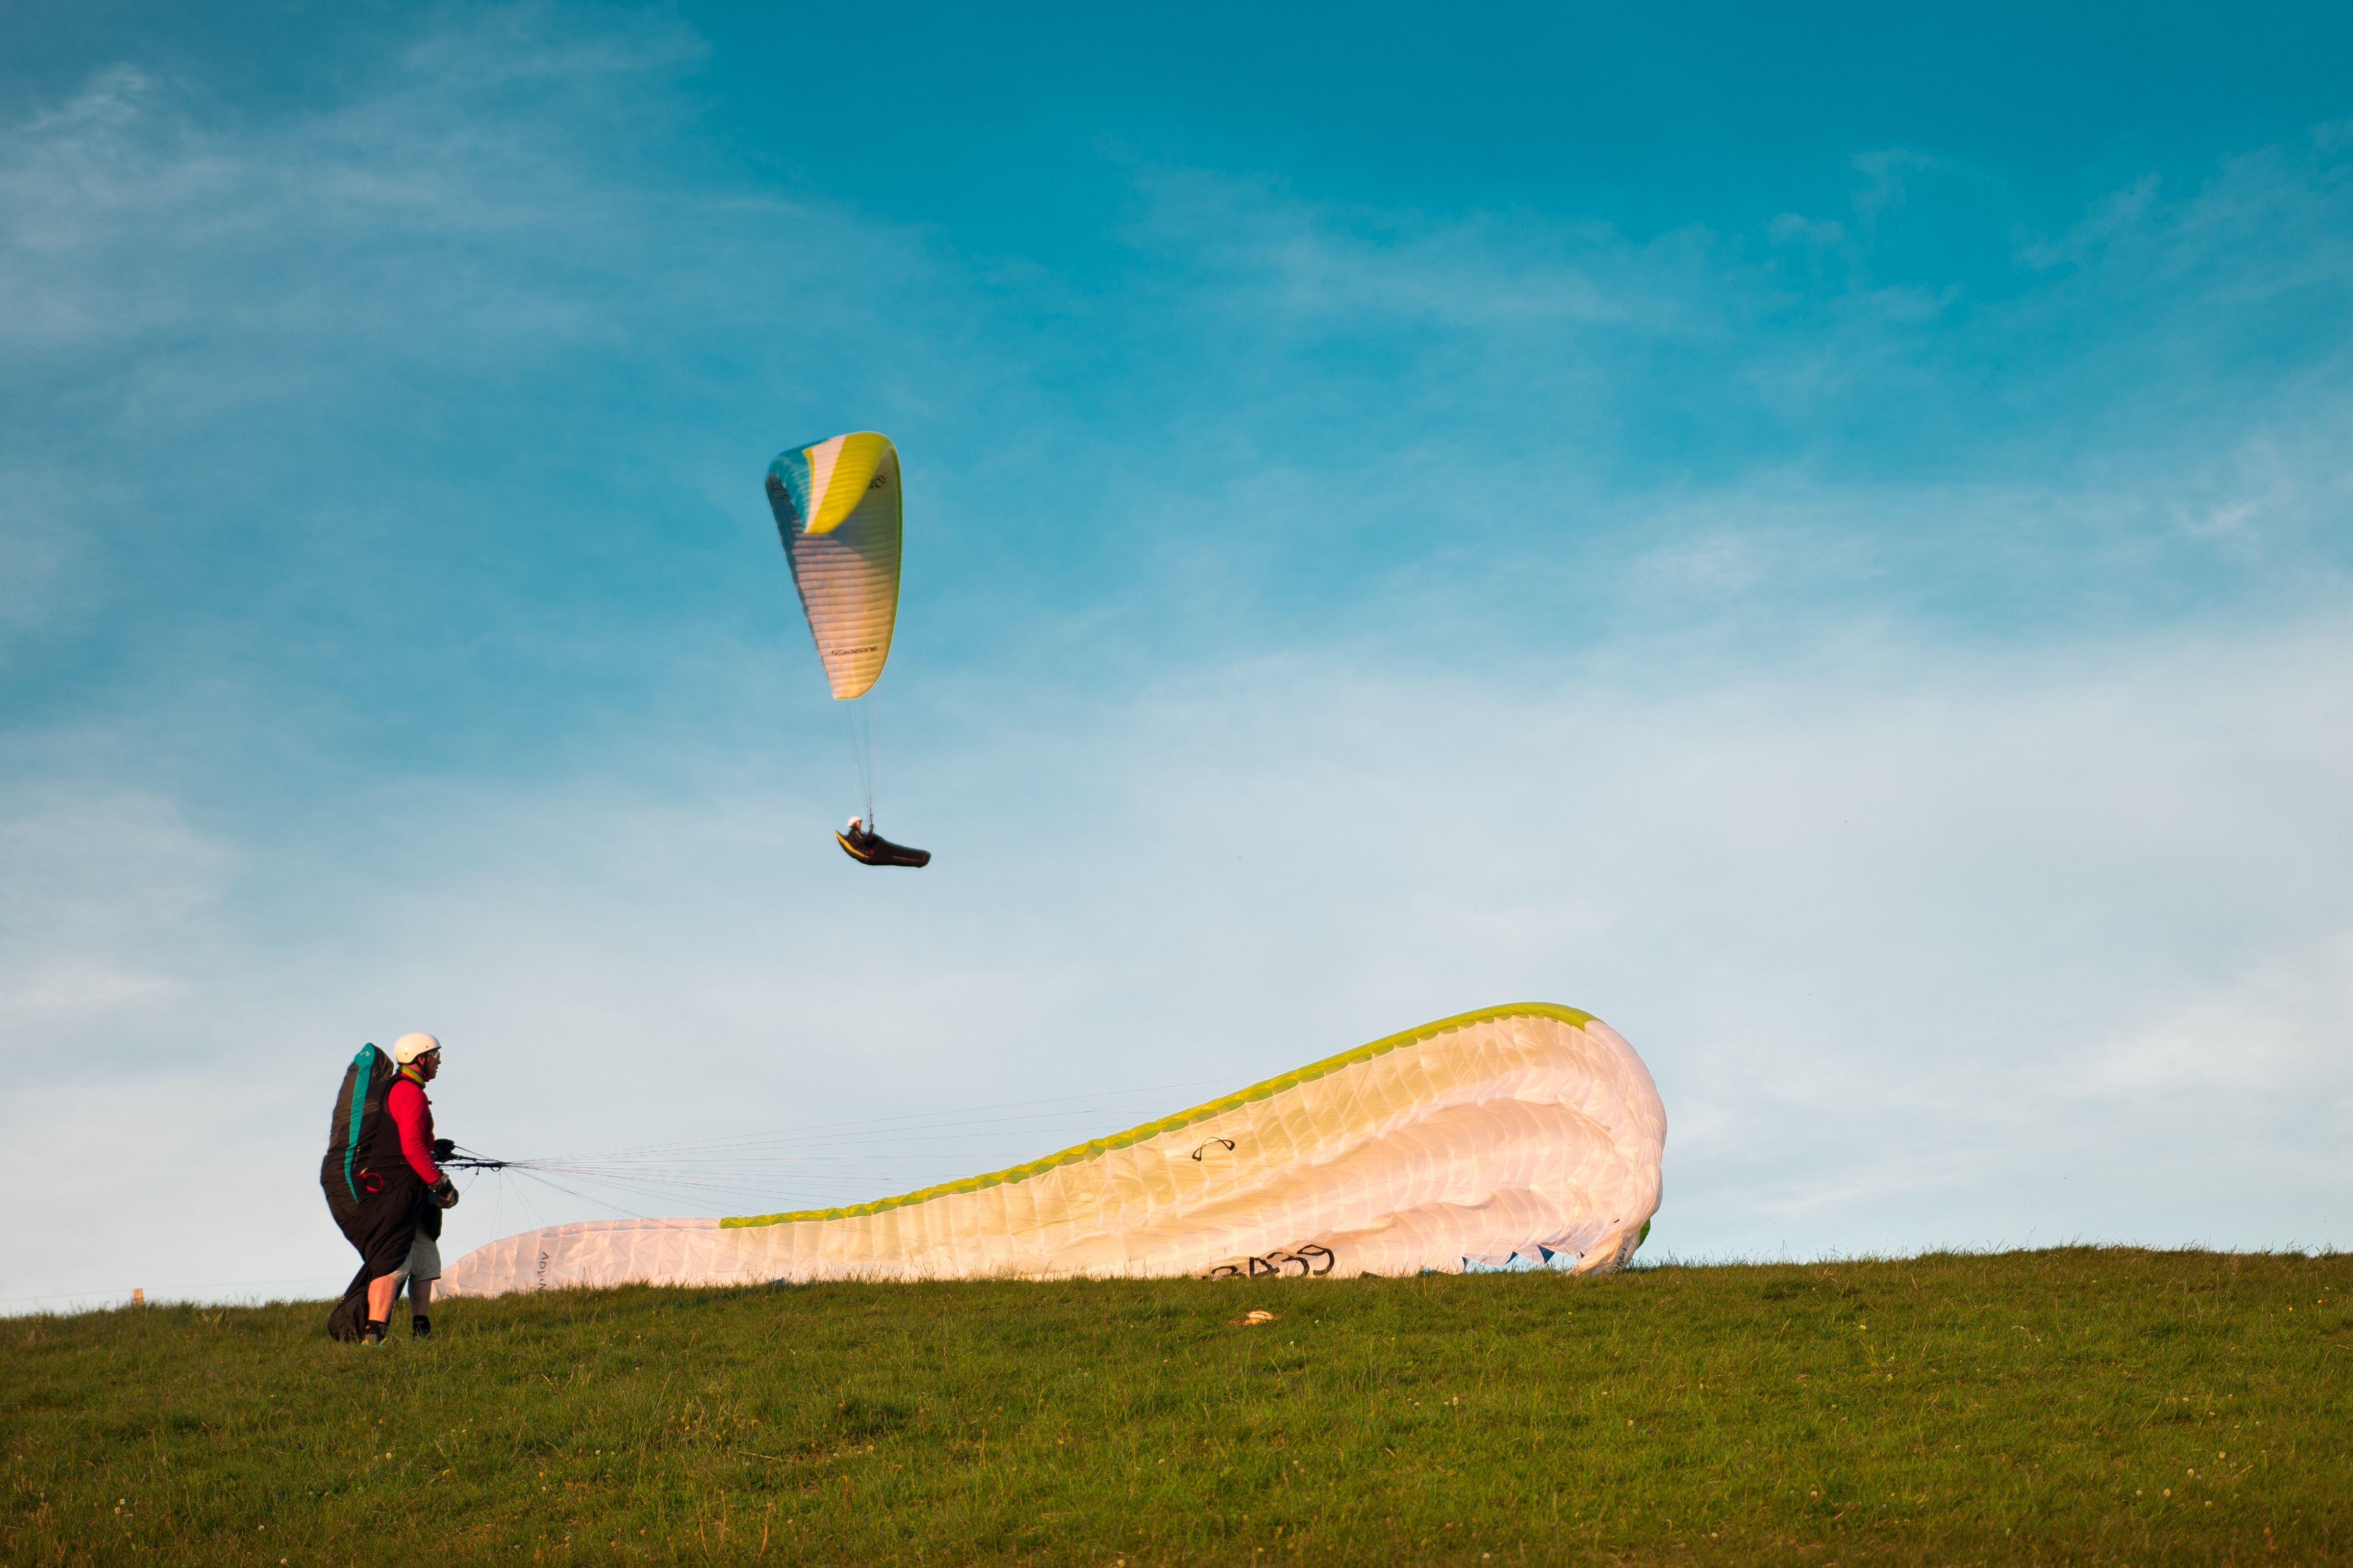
(361, 1066)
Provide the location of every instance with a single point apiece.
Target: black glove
(443, 1148)
(444, 1193)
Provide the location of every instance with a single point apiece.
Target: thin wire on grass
(824, 1162)
(585, 1197)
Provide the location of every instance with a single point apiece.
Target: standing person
(412, 1112)
(380, 1178)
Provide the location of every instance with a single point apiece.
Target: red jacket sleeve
(406, 1102)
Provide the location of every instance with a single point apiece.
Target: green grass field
(2079, 1405)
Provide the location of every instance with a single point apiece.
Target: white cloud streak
(1923, 951)
(1940, 923)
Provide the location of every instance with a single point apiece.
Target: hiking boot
(373, 1335)
(420, 1328)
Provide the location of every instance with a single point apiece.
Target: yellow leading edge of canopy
(1181, 1120)
(839, 472)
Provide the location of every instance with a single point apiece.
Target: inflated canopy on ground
(1530, 1133)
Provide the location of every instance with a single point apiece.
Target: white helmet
(408, 1048)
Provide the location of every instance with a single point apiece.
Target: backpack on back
(354, 1130)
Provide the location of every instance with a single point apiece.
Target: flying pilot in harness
(869, 848)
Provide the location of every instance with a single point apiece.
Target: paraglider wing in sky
(1529, 1131)
(837, 510)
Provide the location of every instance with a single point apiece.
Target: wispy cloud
(1911, 709)
(1921, 949)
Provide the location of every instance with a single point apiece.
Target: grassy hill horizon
(2106, 1404)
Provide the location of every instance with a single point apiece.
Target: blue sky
(1822, 539)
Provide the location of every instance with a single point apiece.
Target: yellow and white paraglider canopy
(837, 510)
(1530, 1133)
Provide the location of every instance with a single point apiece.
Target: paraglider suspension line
(861, 720)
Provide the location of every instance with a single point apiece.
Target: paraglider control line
(826, 1161)
(861, 751)
(1227, 1141)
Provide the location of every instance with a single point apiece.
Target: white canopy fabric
(1530, 1133)
(838, 512)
